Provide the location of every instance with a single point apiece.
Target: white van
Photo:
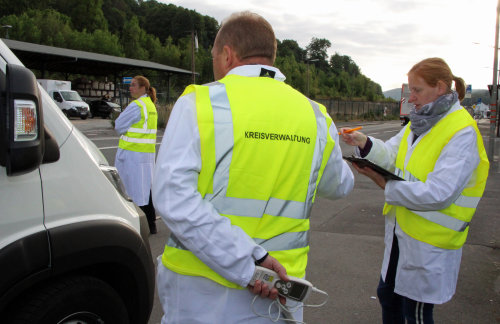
(73, 247)
(68, 100)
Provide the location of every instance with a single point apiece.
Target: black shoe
(152, 228)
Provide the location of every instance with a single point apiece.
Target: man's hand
(263, 289)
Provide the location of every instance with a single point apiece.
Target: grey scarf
(428, 115)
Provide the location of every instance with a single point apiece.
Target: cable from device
(286, 310)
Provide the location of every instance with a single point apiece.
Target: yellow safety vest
(264, 147)
(141, 136)
(446, 228)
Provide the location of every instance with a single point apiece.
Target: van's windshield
(71, 96)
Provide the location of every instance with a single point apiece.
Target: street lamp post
(194, 47)
(312, 60)
(494, 93)
(7, 27)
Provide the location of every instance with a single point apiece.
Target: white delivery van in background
(68, 100)
(73, 247)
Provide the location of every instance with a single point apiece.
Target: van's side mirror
(22, 121)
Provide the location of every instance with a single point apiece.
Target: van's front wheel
(80, 299)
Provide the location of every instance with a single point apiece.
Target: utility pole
(194, 47)
(494, 93)
(308, 77)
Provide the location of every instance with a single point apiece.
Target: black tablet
(367, 163)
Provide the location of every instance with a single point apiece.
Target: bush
(163, 114)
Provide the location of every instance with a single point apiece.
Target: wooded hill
(158, 32)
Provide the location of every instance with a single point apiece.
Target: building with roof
(47, 59)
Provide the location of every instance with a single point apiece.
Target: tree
(117, 12)
(105, 42)
(317, 48)
(131, 40)
(336, 63)
(17, 7)
(170, 54)
(85, 15)
(47, 27)
(290, 47)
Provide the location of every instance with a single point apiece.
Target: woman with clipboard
(441, 155)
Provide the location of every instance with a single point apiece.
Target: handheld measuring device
(295, 289)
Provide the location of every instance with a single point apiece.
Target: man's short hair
(248, 34)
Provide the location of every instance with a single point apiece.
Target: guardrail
(360, 110)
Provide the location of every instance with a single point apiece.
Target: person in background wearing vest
(242, 161)
(135, 158)
(441, 155)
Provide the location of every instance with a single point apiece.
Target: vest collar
(255, 71)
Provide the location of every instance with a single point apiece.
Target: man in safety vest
(236, 176)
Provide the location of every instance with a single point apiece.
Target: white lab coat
(227, 249)
(135, 168)
(426, 273)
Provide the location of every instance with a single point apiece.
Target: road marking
(104, 138)
(115, 147)
(112, 138)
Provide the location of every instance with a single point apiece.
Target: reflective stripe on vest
(285, 241)
(446, 228)
(280, 225)
(440, 218)
(141, 136)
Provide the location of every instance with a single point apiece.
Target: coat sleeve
(128, 117)
(384, 153)
(225, 248)
(337, 180)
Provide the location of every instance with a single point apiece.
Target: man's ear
(230, 58)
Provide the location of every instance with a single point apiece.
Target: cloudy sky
(384, 37)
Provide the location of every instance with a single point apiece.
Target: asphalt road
(347, 246)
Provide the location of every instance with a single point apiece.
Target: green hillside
(158, 32)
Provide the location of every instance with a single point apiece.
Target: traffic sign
(127, 80)
(468, 91)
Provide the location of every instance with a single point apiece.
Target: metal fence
(337, 109)
(364, 110)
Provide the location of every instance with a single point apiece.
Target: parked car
(103, 108)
